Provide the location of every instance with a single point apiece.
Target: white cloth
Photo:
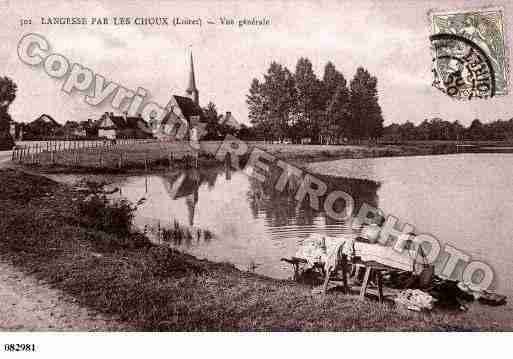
(325, 250)
(415, 299)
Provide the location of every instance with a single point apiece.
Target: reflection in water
(285, 215)
(253, 224)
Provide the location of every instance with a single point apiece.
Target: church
(180, 109)
(186, 108)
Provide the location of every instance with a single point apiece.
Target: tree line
(299, 107)
(7, 95)
(438, 129)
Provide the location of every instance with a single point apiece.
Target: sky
(389, 38)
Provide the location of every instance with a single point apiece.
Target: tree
(212, 118)
(336, 103)
(477, 130)
(279, 93)
(257, 113)
(366, 118)
(271, 102)
(309, 109)
(331, 81)
(338, 115)
(7, 95)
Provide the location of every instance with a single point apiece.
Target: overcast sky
(389, 38)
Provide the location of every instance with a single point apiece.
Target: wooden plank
(380, 286)
(365, 282)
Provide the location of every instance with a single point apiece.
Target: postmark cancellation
(469, 53)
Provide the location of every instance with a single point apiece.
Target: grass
(120, 158)
(162, 156)
(314, 153)
(153, 287)
(177, 234)
(157, 156)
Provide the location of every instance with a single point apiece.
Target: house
(79, 132)
(72, 129)
(110, 125)
(230, 121)
(41, 128)
(113, 126)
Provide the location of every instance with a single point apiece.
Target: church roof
(188, 107)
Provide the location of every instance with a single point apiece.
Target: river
(465, 200)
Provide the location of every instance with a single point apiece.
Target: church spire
(191, 89)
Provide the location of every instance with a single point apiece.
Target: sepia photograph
(255, 166)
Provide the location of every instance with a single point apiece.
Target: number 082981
(19, 347)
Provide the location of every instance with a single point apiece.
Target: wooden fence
(113, 154)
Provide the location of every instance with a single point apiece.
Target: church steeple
(191, 89)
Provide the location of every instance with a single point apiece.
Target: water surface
(465, 200)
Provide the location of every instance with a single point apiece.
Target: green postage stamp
(469, 53)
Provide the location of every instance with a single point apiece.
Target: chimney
(227, 116)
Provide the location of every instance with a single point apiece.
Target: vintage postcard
(326, 166)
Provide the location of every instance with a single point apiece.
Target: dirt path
(27, 304)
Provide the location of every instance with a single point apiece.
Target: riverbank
(160, 157)
(317, 153)
(48, 236)
(155, 156)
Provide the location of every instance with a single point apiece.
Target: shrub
(98, 212)
(6, 141)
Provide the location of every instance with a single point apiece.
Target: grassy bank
(315, 153)
(163, 156)
(50, 233)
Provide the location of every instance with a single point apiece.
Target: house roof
(229, 120)
(119, 123)
(134, 122)
(47, 119)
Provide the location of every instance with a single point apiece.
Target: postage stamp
(469, 53)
